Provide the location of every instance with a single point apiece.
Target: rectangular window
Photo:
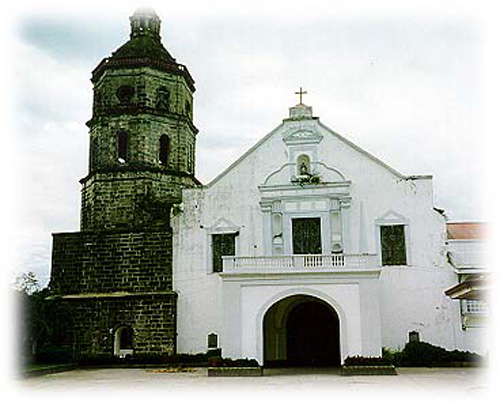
(393, 245)
(222, 244)
(306, 234)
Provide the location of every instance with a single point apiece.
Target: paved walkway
(419, 380)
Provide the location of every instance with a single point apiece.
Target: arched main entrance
(301, 330)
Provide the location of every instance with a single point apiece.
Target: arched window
(164, 149)
(123, 141)
(303, 165)
(124, 341)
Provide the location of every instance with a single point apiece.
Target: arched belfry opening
(301, 330)
(164, 150)
(123, 147)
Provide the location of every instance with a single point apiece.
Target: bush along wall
(423, 354)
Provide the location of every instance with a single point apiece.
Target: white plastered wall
(411, 297)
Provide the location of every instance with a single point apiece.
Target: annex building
(306, 250)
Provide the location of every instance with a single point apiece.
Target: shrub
(423, 354)
(394, 357)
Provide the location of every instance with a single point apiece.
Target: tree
(42, 323)
(27, 283)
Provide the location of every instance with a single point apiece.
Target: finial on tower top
(145, 22)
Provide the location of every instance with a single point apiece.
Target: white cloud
(49, 152)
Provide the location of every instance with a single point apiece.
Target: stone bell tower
(115, 274)
(142, 139)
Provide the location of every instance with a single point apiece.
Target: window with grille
(306, 234)
(222, 244)
(393, 245)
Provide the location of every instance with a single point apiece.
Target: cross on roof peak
(300, 93)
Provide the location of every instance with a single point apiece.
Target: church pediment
(223, 225)
(392, 217)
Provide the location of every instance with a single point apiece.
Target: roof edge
(242, 157)
(367, 154)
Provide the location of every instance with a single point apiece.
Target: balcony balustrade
(300, 263)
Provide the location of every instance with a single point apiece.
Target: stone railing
(300, 263)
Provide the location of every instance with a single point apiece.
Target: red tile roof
(466, 231)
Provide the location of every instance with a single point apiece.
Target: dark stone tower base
(115, 279)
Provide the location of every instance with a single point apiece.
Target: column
(345, 212)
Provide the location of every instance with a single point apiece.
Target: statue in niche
(303, 169)
(303, 165)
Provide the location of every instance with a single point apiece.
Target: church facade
(306, 250)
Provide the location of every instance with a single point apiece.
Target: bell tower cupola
(145, 22)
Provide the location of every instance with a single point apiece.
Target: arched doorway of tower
(301, 330)
(123, 341)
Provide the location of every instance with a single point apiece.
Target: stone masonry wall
(144, 131)
(152, 318)
(120, 200)
(145, 83)
(104, 262)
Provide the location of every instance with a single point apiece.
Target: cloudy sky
(406, 84)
